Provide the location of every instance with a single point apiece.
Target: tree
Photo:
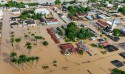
(17, 40)
(57, 2)
(37, 59)
(117, 71)
(29, 47)
(45, 43)
(32, 58)
(72, 10)
(93, 45)
(32, 34)
(116, 32)
(27, 44)
(122, 10)
(87, 9)
(81, 51)
(13, 60)
(13, 55)
(26, 36)
(38, 37)
(12, 41)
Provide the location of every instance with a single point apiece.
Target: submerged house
(28, 23)
(68, 49)
(84, 47)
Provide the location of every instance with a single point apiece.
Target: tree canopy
(122, 10)
(73, 32)
(57, 2)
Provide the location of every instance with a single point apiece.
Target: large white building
(41, 11)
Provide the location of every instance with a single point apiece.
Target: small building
(42, 11)
(102, 16)
(84, 47)
(68, 49)
(102, 24)
(89, 17)
(29, 23)
(15, 11)
(51, 21)
(53, 36)
(123, 31)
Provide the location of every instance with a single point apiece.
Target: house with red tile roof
(102, 24)
(53, 36)
(68, 49)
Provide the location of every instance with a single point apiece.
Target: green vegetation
(122, 10)
(12, 40)
(21, 59)
(45, 43)
(100, 46)
(19, 5)
(117, 32)
(30, 14)
(104, 52)
(57, 2)
(38, 38)
(45, 67)
(73, 32)
(59, 31)
(18, 40)
(81, 51)
(26, 36)
(80, 10)
(13, 55)
(93, 45)
(117, 71)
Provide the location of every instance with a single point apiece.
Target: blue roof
(89, 17)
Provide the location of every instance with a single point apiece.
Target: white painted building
(42, 11)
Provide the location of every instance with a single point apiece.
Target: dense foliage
(122, 10)
(57, 2)
(117, 32)
(73, 10)
(73, 32)
(19, 5)
(30, 14)
(45, 43)
(117, 71)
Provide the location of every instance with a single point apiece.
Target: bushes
(93, 45)
(117, 32)
(45, 43)
(81, 51)
(104, 52)
(100, 46)
(117, 71)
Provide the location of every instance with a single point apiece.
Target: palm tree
(12, 41)
(18, 40)
(29, 47)
(22, 59)
(12, 36)
(37, 59)
(13, 60)
(26, 36)
(38, 37)
(32, 34)
(27, 44)
(32, 59)
(13, 54)
(11, 32)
